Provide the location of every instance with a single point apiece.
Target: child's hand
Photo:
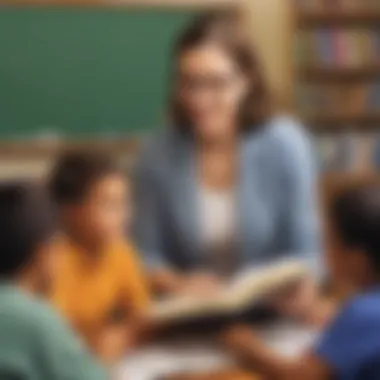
(241, 340)
(113, 342)
(300, 301)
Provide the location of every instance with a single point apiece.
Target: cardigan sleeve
(300, 221)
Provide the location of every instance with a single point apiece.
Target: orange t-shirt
(90, 292)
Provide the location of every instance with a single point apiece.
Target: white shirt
(218, 227)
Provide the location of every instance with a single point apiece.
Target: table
(203, 359)
(223, 375)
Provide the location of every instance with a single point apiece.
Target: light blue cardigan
(277, 213)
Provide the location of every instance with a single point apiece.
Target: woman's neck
(217, 163)
(224, 143)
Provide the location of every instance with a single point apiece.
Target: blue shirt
(276, 209)
(351, 345)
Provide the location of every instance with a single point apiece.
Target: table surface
(203, 359)
(223, 375)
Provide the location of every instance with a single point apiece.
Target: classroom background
(95, 73)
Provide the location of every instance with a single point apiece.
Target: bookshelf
(310, 19)
(336, 76)
(337, 122)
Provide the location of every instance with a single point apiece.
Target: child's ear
(48, 258)
(39, 269)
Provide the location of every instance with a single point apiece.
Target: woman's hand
(197, 284)
(200, 285)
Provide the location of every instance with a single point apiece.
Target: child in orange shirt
(100, 285)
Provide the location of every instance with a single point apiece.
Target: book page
(257, 282)
(245, 288)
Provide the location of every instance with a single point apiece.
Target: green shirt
(36, 344)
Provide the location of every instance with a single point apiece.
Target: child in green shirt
(35, 343)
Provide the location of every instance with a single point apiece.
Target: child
(34, 342)
(350, 346)
(100, 285)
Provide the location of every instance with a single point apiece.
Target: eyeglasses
(215, 84)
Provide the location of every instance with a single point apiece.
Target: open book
(245, 289)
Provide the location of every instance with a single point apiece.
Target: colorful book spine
(376, 152)
(339, 47)
(324, 46)
(352, 152)
(376, 46)
(373, 99)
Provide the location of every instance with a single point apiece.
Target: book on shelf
(338, 47)
(241, 293)
(303, 51)
(337, 5)
(376, 51)
(331, 98)
(350, 152)
(376, 152)
(335, 152)
(324, 47)
(373, 99)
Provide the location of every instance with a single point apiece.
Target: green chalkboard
(84, 71)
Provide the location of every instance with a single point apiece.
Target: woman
(229, 185)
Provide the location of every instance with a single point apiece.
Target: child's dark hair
(355, 216)
(26, 220)
(75, 172)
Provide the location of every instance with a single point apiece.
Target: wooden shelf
(339, 74)
(328, 18)
(32, 149)
(173, 4)
(369, 120)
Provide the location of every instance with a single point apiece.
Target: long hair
(226, 28)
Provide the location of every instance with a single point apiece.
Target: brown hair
(226, 29)
(76, 172)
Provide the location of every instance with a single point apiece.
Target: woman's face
(211, 89)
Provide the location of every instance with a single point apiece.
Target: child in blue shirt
(349, 349)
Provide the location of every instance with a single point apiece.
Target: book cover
(364, 47)
(376, 152)
(324, 46)
(375, 48)
(373, 98)
(336, 152)
(339, 47)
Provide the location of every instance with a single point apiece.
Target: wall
(271, 22)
